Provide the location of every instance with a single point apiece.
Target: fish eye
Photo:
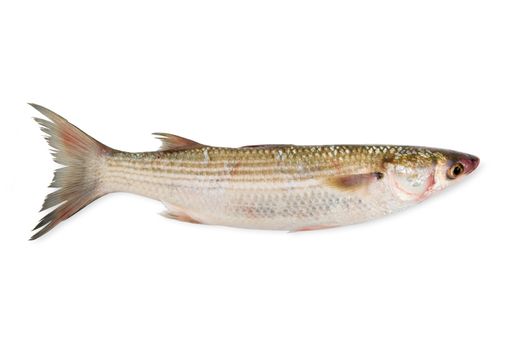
(455, 170)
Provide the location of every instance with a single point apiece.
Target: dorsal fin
(172, 142)
(267, 146)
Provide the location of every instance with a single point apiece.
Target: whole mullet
(277, 187)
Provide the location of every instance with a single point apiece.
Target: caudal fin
(78, 181)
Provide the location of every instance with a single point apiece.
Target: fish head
(451, 167)
(415, 173)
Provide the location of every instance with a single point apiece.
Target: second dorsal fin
(266, 146)
(172, 142)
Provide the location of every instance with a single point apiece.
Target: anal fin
(313, 228)
(177, 213)
(180, 217)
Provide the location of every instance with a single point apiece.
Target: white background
(447, 274)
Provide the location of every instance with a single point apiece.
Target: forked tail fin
(78, 181)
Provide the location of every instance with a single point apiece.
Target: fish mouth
(470, 163)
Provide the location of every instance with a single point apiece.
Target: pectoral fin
(354, 182)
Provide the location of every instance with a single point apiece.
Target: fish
(274, 187)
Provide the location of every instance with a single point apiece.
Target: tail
(78, 182)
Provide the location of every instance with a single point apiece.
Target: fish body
(277, 187)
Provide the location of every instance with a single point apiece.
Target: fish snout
(470, 163)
